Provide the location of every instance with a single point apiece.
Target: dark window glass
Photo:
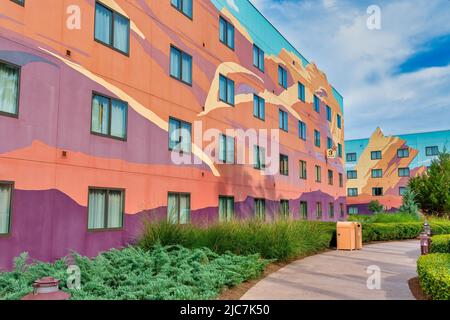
(259, 107)
(258, 58)
(226, 33)
(282, 77)
(180, 136)
(184, 6)
(112, 28)
(284, 165)
(226, 90)
(180, 65)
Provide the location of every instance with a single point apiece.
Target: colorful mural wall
(50, 155)
(386, 163)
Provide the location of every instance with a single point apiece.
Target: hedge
(434, 275)
(440, 243)
(401, 231)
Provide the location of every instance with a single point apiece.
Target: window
(180, 65)
(302, 130)
(339, 121)
(260, 209)
(403, 153)
(301, 92)
(402, 191)
(331, 209)
(109, 117)
(283, 120)
(432, 151)
(226, 90)
(342, 211)
(351, 157)
(284, 209)
(353, 210)
(375, 155)
(403, 172)
(226, 33)
(105, 209)
(282, 77)
(259, 107)
(21, 2)
(352, 192)
(339, 150)
(352, 174)
(179, 136)
(184, 6)
(316, 104)
(6, 191)
(341, 180)
(329, 114)
(330, 177)
(303, 171)
(318, 172)
(284, 165)
(9, 89)
(226, 208)
(179, 208)
(377, 173)
(304, 210)
(317, 138)
(319, 210)
(112, 28)
(258, 58)
(259, 157)
(329, 143)
(377, 192)
(226, 149)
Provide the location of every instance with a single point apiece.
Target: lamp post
(46, 289)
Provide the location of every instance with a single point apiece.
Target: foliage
(434, 275)
(440, 243)
(409, 205)
(375, 206)
(384, 218)
(281, 240)
(164, 273)
(432, 188)
(402, 230)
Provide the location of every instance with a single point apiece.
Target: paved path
(343, 275)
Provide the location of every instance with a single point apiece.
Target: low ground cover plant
(440, 243)
(434, 275)
(163, 273)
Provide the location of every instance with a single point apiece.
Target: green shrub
(434, 275)
(440, 243)
(375, 206)
(280, 241)
(164, 273)
(409, 205)
(384, 218)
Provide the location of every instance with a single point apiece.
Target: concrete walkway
(343, 275)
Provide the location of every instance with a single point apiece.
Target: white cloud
(232, 4)
(360, 63)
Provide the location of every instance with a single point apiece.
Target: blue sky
(397, 78)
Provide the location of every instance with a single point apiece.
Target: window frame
(330, 177)
(181, 10)
(11, 184)
(259, 100)
(316, 104)
(178, 194)
(259, 164)
(19, 73)
(284, 215)
(377, 188)
(355, 210)
(302, 129)
(351, 159)
(181, 66)
(331, 211)
(318, 173)
(376, 176)
(431, 153)
(339, 121)
(168, 132)
(124, 139)
(234, 208)
(350, 176)
(225, 161)
(284, 82)
(283, 116)
(301, 92)
(400, 190)
(319, 213)
(317, 139)
(114, 13)
(376, 152)
(341, 180)
(226, 90)
(401, 151)
(122, 190)
(259, 50)
(227, 25)
(255, 213)
(329, 113)
(303, 165)
(284, 158)
(19, 2)
(403, 169)
(303, 215)
(352, 195)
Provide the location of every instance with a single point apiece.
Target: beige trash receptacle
(346, 236)
(358, 232)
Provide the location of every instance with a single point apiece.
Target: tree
(409, 205)
(375, 206)
(432, 189)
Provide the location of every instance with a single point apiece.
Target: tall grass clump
(281, 240)
(163, 273)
